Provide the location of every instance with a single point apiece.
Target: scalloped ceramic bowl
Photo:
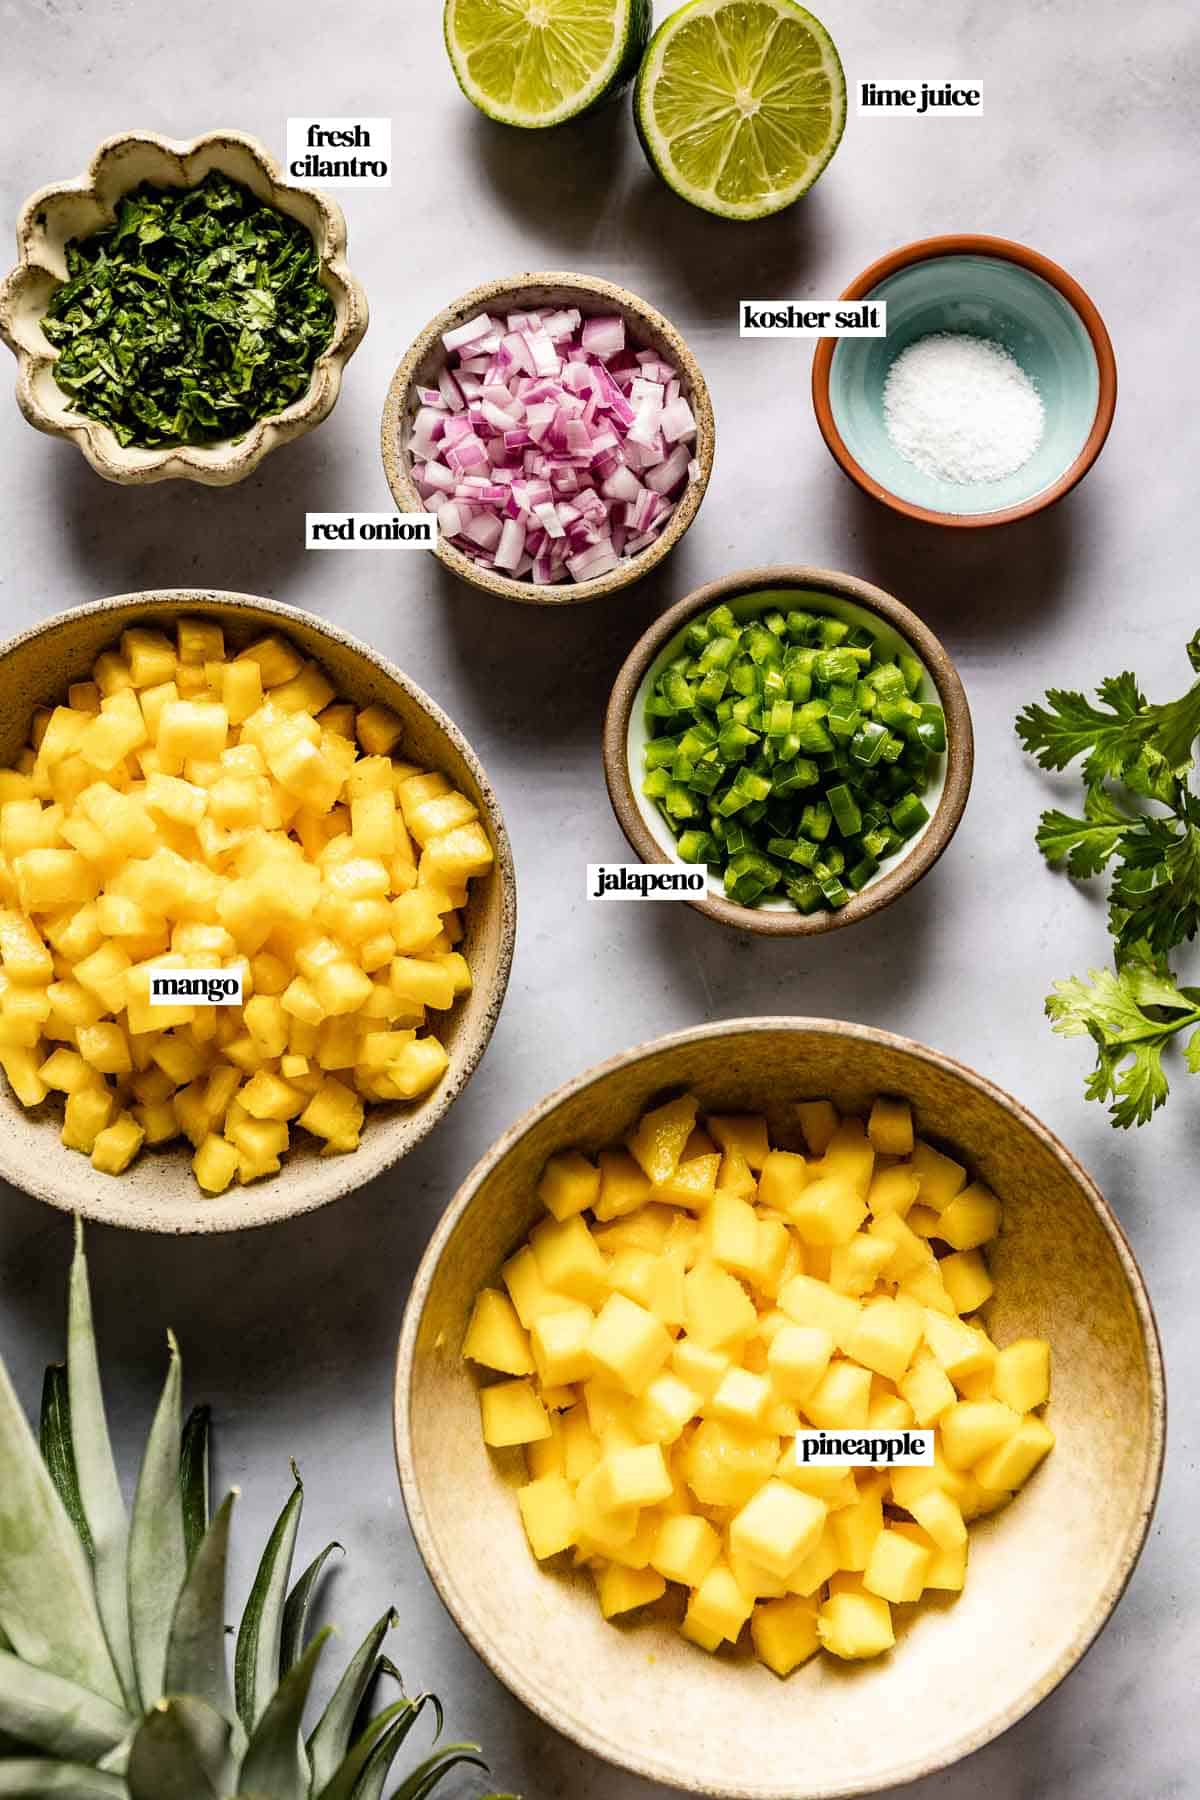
(158, 1192)
(1045, 1573)
(648, 330)
(72, 209)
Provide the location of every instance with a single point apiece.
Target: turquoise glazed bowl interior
(989, 297)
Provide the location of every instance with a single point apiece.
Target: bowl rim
(226, 460)
(930, 249)
(556, 1714)
(960, 745)
(345, 1174)
(408, 499)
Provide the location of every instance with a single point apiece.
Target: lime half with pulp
(539, 62)
(740, 104)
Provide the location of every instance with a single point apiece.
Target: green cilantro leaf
(1118, 1011)
(1087, 843)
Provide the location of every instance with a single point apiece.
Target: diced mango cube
(512, 1414)
(629, 1344)
(1022, 1374)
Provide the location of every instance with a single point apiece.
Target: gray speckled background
(1087, 151)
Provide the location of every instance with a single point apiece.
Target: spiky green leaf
(371, 1782)
(330, 1741)
(33, 1778)
(99, 1488)
(276, 1762)
(157, 1556)
(181, 1752)
(256, 1664)
(193, 1478)
(295, 1613)
(433, 1771)
(345, 1777)
(196, 1661)
(47, 1601)
(58, 1452)
(57, 1717)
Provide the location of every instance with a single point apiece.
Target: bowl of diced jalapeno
(801, 735)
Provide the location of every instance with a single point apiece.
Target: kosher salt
(961, 408)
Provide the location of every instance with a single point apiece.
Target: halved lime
(539, 62)
(740, 104)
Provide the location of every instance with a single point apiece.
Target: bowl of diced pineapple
(257, 911)
(630, 1340)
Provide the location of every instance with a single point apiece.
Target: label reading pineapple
(859, 1449)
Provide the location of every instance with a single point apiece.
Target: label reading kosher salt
(922, 99)
(812, 318)
(340, 152)
(196, 987)
(370, 531)
(644, 881)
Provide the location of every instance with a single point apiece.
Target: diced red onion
(550, 449)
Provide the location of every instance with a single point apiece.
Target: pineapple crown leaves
(113, 1676)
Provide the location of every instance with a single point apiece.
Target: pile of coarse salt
(961, 408)
(549, 450)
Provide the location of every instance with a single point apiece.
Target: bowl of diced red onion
(561, 431)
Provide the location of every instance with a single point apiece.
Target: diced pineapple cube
(718, 1605)
(559, 1342)
(1013, 1461)
(778, 1527)
(495, 1336)
(842, 1398)
(703, 1369)
(828, 1211)
(116, 1146)
(797, 1358)
(548, 1515)
(960, 1351)
(569, 1184)
(88, 1111)
(971, 1218)
(940, 1176)
(199, 641)
(855, 1267)
(1022, 1374)
(215, 1164)
(947, 1568)
(890, 1127)
(807, 1301)
(658, 1141)
(885, 1336)
(512, 1414)
(421, 982)
(896, 1568)
(966, 1278)
(928, 1390)
(784, 1633)
(718, 1311)
(971, 1428)
(634, 1477)
(782, 1181)
(24, 956)
(570, 1261)
(725, 1465)
(893, 1190)
(378, 730)
(666, 1407)
(629, 1344)
(938, 1513)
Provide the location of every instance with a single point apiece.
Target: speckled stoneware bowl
(1045, 1573)
(72, 209)
(646, 328)
(158, 1192)
(814, 590)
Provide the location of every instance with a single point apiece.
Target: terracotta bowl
(158, 1192)
(1009, 295)
(646, 329)
(1045, 1573)
(71, 209)
(824, 590)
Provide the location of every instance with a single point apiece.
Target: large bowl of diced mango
(630, 1340)
(257, 910)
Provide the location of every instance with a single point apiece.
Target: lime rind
(538, 63)
(740, 162)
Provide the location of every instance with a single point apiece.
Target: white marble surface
(1087, 152)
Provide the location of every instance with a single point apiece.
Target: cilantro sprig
(1140, 818)
(198, 312)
